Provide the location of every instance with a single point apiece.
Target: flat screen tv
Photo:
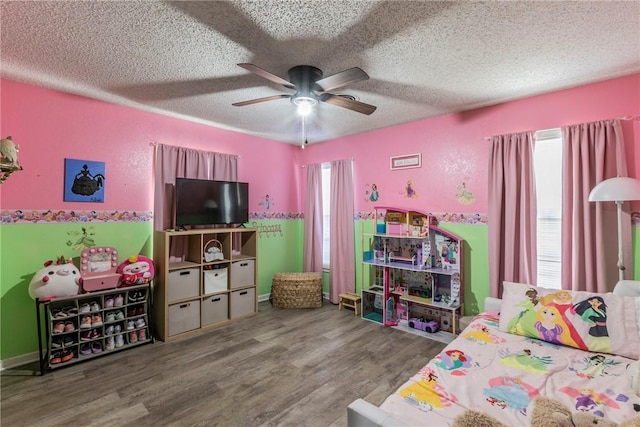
(205, 202)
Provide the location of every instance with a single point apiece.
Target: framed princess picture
(84, 181)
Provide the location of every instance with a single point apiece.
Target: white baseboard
(23, 359)
(263, 298)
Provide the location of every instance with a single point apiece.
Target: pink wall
(454, 149)
(50, 126)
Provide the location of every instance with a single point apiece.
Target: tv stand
(205, 277)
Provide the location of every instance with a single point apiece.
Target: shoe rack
(90, 325)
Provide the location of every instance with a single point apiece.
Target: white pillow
(627, 288)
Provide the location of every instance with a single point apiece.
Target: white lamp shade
(620, 189)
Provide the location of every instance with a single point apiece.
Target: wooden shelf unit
(196, 289)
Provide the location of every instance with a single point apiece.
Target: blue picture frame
(84, 181)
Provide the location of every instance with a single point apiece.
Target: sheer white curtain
(312, 247)
(512, 211)
(179, 162)
(342, 273)
(592, 153)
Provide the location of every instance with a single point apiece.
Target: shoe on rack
(140, 311)
(142, 335)
(109, 330)
(69, 326)
(96, 347)
(68, 340)
(120, 315)
(85, 336)
(95, 334)
(117, 329)
(133, 337)
(85, 323)
(96, 320)
(95, 306)
(66, 355)
(58, 328)
(85, 307)
(142, 295)
(85, 349)
(56, 343)
(111, 343)
(58, 314)
(108, 302)
(119, 341)
(140, 322)
(119, 301)
(110, 317)
(130, 325)
(133, 296)
(56, 358)
(131, 312)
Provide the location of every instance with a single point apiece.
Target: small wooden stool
(351, 300)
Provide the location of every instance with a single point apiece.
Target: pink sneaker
(86, 322)
(118, 301)
(142, 335)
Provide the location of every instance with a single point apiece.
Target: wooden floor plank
(283, 367)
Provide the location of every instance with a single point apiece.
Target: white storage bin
(215, 280)
(184, 316)
(243, 273)
(215, 309)
(243, 302)
(184, 284)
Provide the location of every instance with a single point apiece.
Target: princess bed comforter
(543, 343)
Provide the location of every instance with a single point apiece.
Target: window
(326, 216)
(548, 172)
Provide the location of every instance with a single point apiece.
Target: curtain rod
(350, 158)
(155, 144)
(488, 138)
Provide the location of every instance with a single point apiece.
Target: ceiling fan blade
(342, 78)
(341, 101)
(257, 100)
(267, 75)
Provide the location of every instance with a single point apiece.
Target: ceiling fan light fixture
(305, 104)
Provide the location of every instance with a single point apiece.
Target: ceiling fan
(310, 87)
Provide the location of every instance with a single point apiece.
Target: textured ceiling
(424, 58)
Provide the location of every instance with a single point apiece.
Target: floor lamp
(618, 190)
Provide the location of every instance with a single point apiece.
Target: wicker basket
(212, 251)
(296, 290)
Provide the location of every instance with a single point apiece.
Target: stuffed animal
(543, 412)
(9, 152)
(136, 270)
(59, 279)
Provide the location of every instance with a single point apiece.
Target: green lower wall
(476, 260)
(25, 247)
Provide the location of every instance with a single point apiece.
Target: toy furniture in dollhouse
(411, 270)
(98, 268)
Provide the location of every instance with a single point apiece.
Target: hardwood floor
(283, 367)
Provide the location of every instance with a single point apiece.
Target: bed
(534, 342)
